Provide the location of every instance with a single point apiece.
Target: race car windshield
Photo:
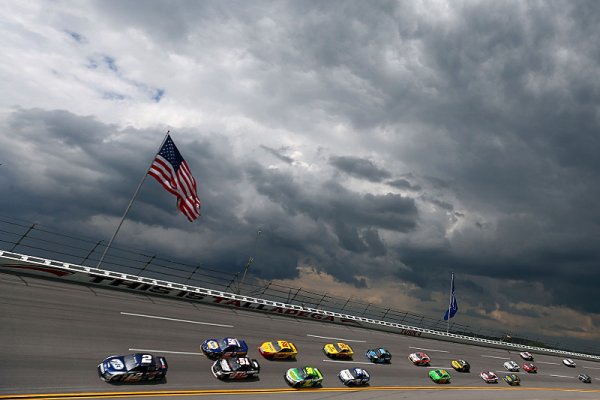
(130, 362)
(236, 365)
(225, 343)
(278, 348)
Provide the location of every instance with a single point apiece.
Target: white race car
(354, 376)
(511, 366)
(525, 355)
(568, 362)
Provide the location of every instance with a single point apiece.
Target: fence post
(91, 251)
(229, 285)
(365, 310)
(320, 301)
(385, 314)
(295, 294)
(145, 266)
(23, 237)
(345, 304)
(193, 272)
(266, 287)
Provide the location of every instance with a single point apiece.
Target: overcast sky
(378, 145)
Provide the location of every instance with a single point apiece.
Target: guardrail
(20, 263)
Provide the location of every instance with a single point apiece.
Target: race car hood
(293, 375)
(268, 347)
(114, 364)
(346, 375)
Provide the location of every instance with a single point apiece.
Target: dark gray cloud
(279, 154)
(359, 168)
(484, 117)
(402, 183)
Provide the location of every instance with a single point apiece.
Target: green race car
(303, 377)
(439, 376)
(512, 379)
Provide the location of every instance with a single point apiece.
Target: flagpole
(450, 303)
(131, 202)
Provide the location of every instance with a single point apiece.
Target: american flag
(171, 171)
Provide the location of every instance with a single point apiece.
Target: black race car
(379, 355)
(133, 368)
(235, 368)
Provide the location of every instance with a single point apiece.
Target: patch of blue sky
(158, 94)
(113, 96)
(75, 36)
(110, 63)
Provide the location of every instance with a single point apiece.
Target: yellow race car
(338, 350)
(278, 349)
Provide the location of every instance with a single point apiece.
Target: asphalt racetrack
(54, 334)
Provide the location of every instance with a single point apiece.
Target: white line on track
(168, 351)
(420, 348)
(351, 362)
(591, 367)
(335, 338)
(562, 376)
(511, 372)
(546, 362)
(175, 319)
(501, 358)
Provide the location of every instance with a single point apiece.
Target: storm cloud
(375, 142)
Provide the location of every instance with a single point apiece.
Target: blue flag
(453, 308)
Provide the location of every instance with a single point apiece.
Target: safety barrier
(24, 264)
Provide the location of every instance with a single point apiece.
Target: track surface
(52, 336)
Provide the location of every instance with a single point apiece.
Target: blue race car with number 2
(133, 368)
(224, 348)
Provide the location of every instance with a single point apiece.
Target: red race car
(419, 358)
(530, 367)
(489, 377)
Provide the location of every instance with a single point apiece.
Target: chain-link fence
(35, 240)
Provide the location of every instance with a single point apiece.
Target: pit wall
(22, 264)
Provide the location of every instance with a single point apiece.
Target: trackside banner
(22, 264)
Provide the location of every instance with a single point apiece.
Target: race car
(419, 358)
(512, 379)
(439, 376)
(338, 350)
(303, 377)
(489, 377)
(235, 368)
(525, 355)
(223, 348)
(278, 350)
(379, 356)
(133, 368)
(530, 367)
(569, 363)
(354, 377)
(511, 366)
(585, 378)
(461, 365)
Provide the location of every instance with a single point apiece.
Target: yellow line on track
(179, 393)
